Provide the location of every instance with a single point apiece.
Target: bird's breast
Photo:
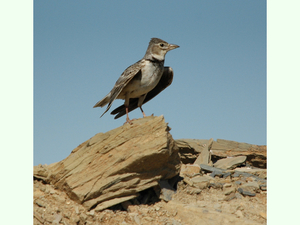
(146, 80)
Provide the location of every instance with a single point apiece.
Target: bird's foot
(129, 121)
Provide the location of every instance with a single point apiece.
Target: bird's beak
(171, 46)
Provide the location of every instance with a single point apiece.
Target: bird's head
(158, 48)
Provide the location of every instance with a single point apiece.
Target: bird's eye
(162, 45)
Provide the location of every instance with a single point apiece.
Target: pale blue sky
(16, 90)
(82, 47)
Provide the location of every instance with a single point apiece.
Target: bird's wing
(123, 80)
(165, 80)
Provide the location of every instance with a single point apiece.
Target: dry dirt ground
(218, 204)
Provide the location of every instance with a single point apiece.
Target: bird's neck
(155, 59)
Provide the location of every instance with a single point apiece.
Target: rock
(199, 179)
(115, 166)
(189, 170)
(205, 157)
(40, 203)
(201, 182)
(263, 187)
(230, 190)
(230, 163)
(239, 214)
(189, 149)
(188, 181)
(263, 215)
(230, 197)
(256, 155)
(246, 191)
(211, 169)
(261, 173)
(57, 218)
(215, 185)
(253, 185)
(167, 191)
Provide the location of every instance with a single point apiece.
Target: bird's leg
(126, 103)
(127, 117)
(142, 111)
(140, 103)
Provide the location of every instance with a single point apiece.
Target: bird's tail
(103, 101)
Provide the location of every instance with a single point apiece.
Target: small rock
(167, 191)
(263, 215)
(245, 191)
(210, 168)
(238, 195)
(230, 197)
(199, 179)
(238, 182)
(189, 170)
(188, 181)
(215, 185)
(193, 191)
(137, 219)
(57, 218)
(227, 185)
(239, 214)
(254, 185)
(263, 187)
(217, 206)
(92, 212)
(77, 210)
(228, 191)
(40, 203)
(230, 163)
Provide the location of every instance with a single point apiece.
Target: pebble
(216, 185)
(238, 195)
(137, 219)
(77, 210)
(238, 182)
(40, 203)
(199, 179)
(227, 185)
(228, 191)
(239, 214)
(263, 215)
(244, 192)
(57, 218)
(230, 197)
(263, 187)
(92, 212)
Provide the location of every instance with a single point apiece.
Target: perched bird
(141, 81)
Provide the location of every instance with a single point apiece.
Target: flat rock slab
(230, 163)
(189, 149)
(115, 166)
(256, 154)
(189, 170)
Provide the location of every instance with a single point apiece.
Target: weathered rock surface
(191, 149)
(205, 156)
(130, 175)
(230, 163)
(114, 167)
(256, 155)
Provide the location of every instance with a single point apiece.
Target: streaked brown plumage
(141, 81)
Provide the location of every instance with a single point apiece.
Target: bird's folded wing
(165, 81)
(123, 80)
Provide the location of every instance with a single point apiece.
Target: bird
(141, 81)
